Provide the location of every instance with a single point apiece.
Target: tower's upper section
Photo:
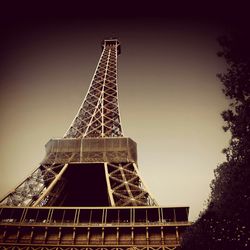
(99, 114)
(112, 42)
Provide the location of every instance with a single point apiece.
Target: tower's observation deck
(87, 193)
(107, 149)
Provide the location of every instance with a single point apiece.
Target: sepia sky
(170, 98)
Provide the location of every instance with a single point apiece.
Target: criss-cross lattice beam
(98, 118)
(34, 189)
(99, 114)
(126, 186)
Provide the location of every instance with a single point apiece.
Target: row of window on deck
(102, 216)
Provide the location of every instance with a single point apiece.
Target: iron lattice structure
(96, 123)
(99, 114)
(87, 193)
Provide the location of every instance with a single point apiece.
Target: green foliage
(225, 224)
(215, 232)
(231, 187)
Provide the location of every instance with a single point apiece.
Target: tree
(225, 224)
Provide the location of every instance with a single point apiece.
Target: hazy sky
(170, 98)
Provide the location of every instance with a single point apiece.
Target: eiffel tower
(87, 193)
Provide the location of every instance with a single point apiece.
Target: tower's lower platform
(102, 228)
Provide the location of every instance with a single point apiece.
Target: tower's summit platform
(112, 42)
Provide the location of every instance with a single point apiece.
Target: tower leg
(47, 191)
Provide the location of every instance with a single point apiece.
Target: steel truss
(32, 187)
(126, 186)
(98, 117)
(99, 114)
(32, 217)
